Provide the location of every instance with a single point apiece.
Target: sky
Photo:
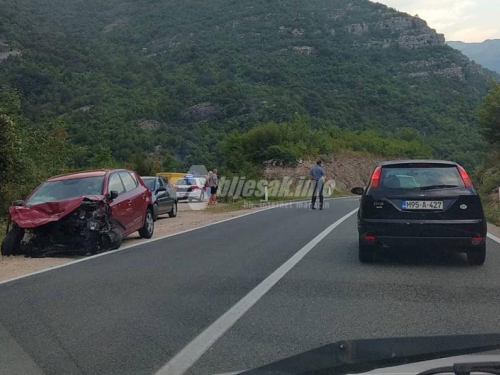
(458, 20)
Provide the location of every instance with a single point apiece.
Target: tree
(489, 115)
(156, 165)
(10, 104)
(9, 151)
(142, 165)
(169, 163)
(103, 158)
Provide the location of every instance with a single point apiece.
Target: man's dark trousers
(318, 188)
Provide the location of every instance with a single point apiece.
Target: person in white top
(213, 183)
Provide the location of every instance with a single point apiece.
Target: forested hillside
(128, 80)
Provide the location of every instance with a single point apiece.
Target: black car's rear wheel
(11, 244)
(477, 257)
(149, 225)
(156, 212)
(366, 253)
(173, 211)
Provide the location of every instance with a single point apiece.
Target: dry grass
(226, 207)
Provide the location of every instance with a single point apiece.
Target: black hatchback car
(421, 204)
(163, 194)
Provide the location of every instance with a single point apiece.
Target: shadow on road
(421, 257)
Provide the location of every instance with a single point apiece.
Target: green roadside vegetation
(487, 176)
(3, 228)
(243, 153)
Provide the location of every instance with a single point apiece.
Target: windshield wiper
(431, 187)
(466, 369)
(358, 356)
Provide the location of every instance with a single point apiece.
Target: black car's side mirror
(161, 188)
(18, 203)
(112, 194)
(357, 191)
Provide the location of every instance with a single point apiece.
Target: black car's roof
(418, 161)
(148, 177)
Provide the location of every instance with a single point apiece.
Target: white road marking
(186, 358)
(494, 238)
(159, 238)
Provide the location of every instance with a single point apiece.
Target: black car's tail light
(465, 176)
(477, 240)
(370, 239)
(375, 181)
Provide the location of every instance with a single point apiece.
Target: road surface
(151, 308)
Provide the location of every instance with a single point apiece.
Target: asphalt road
(132, 311)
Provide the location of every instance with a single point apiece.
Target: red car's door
(136, 199)
(120, 208)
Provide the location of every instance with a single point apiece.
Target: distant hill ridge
(486, 53)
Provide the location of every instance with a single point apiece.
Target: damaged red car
(80, 213)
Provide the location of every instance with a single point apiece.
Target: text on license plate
(422, 205)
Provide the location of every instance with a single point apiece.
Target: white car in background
(191, 187)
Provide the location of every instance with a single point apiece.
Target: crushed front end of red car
(79, 225)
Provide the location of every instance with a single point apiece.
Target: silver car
(191, 188)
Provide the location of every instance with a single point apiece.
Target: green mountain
(486, 53)
(173, 77)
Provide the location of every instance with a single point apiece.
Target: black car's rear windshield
(150, 183)
(420, 176)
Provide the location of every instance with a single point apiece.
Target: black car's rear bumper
(456, 235)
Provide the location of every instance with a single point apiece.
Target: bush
(287, 142)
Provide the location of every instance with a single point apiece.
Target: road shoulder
(15, 266)
(494, 230)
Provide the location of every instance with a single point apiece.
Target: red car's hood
(40, 214)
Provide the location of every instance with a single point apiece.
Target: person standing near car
(213, 182)
(206, 188)
(318, 177)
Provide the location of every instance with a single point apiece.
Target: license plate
(93, 225)
(422, 205)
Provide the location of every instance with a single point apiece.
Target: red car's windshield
(64, 189)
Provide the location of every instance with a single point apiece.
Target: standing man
(318, 177)
(213, 183)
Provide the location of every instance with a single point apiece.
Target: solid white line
(183, 360)
(158, 239)
(494, 238)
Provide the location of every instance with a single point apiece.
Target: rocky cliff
(347, 169)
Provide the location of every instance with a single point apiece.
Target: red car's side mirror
(18, 203)
(112, 194)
